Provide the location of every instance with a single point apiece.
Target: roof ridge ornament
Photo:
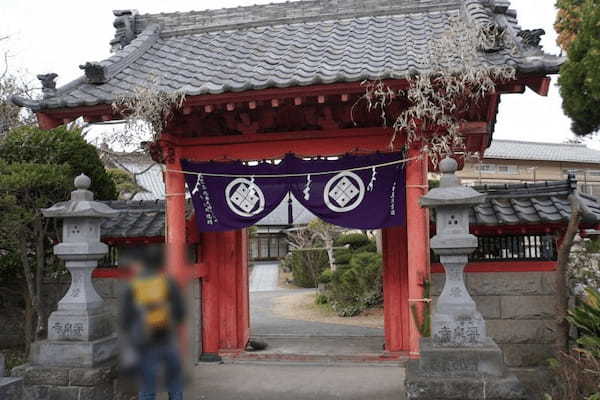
(48, 84)
(125, 28)
(95, 72)
(532, 37)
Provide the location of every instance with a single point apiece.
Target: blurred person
(152, 310)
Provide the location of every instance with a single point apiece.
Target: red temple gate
(253, 92)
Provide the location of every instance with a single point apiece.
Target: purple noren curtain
(353, 191)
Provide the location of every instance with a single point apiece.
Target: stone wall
(519, 309)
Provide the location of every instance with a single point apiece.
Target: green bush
(357, 286)
(321, 299)
(306, 266)
(326, 276)
(586, 318)
(354, 240)
(342, 256)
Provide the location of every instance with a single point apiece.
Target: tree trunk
(562, 277)
(330, 254)
(31, 300)
(28, 323)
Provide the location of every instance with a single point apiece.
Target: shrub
(586, 318)
(321, 299)
(577, 377)
(326, 276)
(354, 240)
(577, 374)
(342, 256)
(306, 266)
(357, 286)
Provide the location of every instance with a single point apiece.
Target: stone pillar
(459, 360)
(77, 360)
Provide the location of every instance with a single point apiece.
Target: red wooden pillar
(225, 306)
(417, 226)
(395, 289)
(176, 224)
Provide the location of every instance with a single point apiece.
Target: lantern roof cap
(82, 203)
(451, 192)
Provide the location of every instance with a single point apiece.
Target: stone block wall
(519, 309)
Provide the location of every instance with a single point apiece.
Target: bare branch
(147, 111)
(453, 78)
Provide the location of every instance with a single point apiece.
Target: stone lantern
(80, 331)
(459, 360)
(456, 321)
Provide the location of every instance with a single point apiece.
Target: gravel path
(264, 277)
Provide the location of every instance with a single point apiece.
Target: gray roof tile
(532, 203)
(288, 44)
(535, 151)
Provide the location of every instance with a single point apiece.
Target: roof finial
(48, 83)
(95, 72)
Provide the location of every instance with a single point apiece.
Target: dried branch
(453, 78)
(147, 111)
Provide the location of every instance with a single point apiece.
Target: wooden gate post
(417, 226)
(225, 304)
(395, 289)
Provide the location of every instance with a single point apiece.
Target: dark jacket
(131, 321)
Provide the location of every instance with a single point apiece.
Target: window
(486, 168)
(532, 247)
(508, 169)
(111, 259)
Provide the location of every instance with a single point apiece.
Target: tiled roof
(136, 219)
(146, 173)
(532, 203)
(511, 204)
(295, 43)
(562, 152)
(279, 216)
(147, 218)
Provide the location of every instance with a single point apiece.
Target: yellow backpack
(152, 296)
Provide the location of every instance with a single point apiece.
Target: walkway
(264, 323)
(276, 381)
(264, 276)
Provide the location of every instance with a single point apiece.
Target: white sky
(58, 36)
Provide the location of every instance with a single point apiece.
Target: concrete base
(465, 373)
(11, 388)
(421, 387)
(64, 383)
(484, 360)
(68, 353)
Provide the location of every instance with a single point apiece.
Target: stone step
(11, 388)
(383, 359)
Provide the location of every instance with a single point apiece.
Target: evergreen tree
(578, 25)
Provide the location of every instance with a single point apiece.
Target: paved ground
(277, 381)
(264, 276)
(264, 323)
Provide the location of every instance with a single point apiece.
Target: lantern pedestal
(459, 361)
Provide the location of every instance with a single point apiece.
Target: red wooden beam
(268, 146)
